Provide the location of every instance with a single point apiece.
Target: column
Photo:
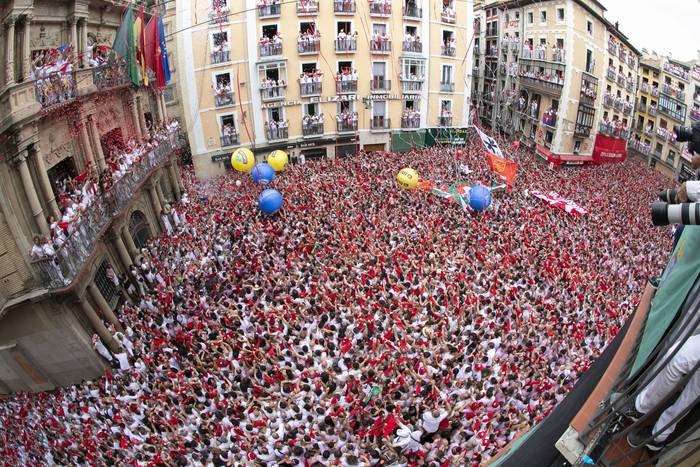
(135, 117)
(159, 109)
(74, 34)
(129, 242)
(10, 51)
(85, 143)
(26, 50)
(104, 307)
(30, 192)
(95, 133)
(164, 106)
(83, 42)
(156, 204)
(142, 118)
(99, 327)
(174, 182)
(122, 252)
(45, 183)
(159, 192)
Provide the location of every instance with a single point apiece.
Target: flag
(140, 45)
(163, 52)
(554, 199)
(154, 59)
(498, 163)
(503, 167)
(124, 45)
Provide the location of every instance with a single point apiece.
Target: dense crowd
(361, 324)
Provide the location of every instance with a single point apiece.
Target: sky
(660, 25)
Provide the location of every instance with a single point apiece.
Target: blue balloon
(479, 198)
(263, 173)
(270, 201)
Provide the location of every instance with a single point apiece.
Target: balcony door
(139, 229)
(446, 74)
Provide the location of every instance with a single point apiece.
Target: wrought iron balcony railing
(57, 88)
(110, 75)
(344, 7)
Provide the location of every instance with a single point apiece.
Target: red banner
(608, 150)
(503, 167)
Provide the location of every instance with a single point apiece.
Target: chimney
(617, 25)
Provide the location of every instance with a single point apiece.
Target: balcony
(270, 11)
(618, 105)
(672, 91)
(627, 108)
(380, 47)
(653, 110)
(450, 50)
(695, 114)
(410, 122)
(220, 56)
(380, 123)
(608, 100)
(56, 89)
(415, 47)
(630, 85)
(306, 47)
(71, 258)
(273, 93)
(223, 98)
(445, 121)
(559, 55)
(344, 7)
(110, 75)
(527, 53)
(610, 129)
(307, 7)
(581, 130)
(346, 126)
(307, 89)
(662, 133)
(382, 8)
(411, 86)
(347, 45)
(270, 49)
(229, 140)
(218, 17)
(448, 16)
(642, 107)
(412, 12)
(621, 80)
(676, 70)
(612, 48)
(549, 120)
(677, 113)
(655, 91)
(379, 84)
(277, 133)
(346, 87)
(645, 87)
(649, 131)
(312, 129)
(447, 87)
(612, 75)
(549, 81)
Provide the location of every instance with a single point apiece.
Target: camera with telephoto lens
(683, 213)
(668, 195)
(691, 135)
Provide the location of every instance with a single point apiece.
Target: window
(412, 67)
(222, 79)
(577, 146)
(273, 71)
(104, 282)
(530, 17)
(548, 137)
(311, 109)
(446, 74)
(379, 110)
(447, 36)
(169, 94)
(269, 31)
(589, 27)
(543, 16)
(560, 15)
(227, 121)
(590, 63)
(274, 114)
(307, 27)
(220, 39)
(345, 66)
(344, 26)
(346, 106)
(411, 30)
(308, 67)
(379, 29)
(379, 69)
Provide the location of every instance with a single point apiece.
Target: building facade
(668, 96)
(321, 79)
(547, 68)
(55, 126)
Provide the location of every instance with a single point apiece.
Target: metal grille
(105, 284)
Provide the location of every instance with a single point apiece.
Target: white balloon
(238, 183)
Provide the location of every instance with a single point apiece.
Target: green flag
(124, 45)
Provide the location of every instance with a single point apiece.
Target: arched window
(139, 229)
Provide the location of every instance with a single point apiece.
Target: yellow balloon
(242, 159)
(278, 160)
(407, 178)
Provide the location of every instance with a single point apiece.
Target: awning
(567, 159)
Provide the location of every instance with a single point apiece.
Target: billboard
(609, 150)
